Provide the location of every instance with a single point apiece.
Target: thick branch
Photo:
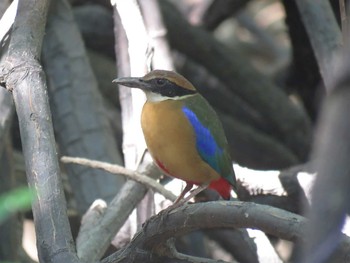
(23, 74)
(192, 217)
(93, 240)
(331, 153)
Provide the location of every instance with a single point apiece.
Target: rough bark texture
(155, 233)
(22, 74)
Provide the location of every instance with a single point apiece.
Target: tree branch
(97, 233)
(22, 73)
(117, 169)
(157, 34)
(132, 100)
(209, 215)
(330, 192)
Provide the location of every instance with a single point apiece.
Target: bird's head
(160, 85)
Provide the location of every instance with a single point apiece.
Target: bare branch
(331, 152)
(324, 34)
(192, 217)
(22, 73)
(117, 169)
(97, 232)
(132, 100)
(157, 34)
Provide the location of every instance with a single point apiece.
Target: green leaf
(16, 200)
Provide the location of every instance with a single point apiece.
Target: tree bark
(22, 74)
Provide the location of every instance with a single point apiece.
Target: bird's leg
(181, 200)
(196, 191)
(187, 188)
(178, 202)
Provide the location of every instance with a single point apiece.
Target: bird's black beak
(133, 83)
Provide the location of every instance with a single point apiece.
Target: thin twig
(117, 169)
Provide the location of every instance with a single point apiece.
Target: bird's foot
(180, 201)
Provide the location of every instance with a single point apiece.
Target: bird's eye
(160, 82)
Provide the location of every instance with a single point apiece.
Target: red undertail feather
(222, 186)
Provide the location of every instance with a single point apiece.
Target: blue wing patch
(205, 142)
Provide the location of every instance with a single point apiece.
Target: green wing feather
(210, 129)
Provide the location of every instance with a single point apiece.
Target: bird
(183, 133)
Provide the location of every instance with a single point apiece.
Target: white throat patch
(156, 97)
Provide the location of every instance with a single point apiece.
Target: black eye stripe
(168, 88)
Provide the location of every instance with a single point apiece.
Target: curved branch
(234, 214)
(93, 240)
